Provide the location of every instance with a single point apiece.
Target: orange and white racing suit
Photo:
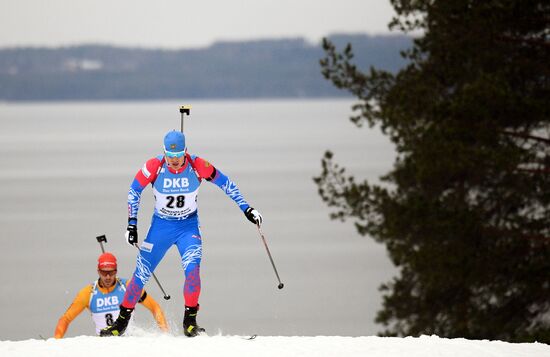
(103, 304)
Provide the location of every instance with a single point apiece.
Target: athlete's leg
(159, 239)
(190, 248)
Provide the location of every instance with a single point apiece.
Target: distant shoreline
(259, 69)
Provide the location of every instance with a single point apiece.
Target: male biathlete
(175, 178)
(103, 298)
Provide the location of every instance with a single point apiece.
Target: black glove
(132, 234)
(253, 216)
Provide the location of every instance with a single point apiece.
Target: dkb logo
(176, 182)
(108, 301)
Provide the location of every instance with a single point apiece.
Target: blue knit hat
(174, 141)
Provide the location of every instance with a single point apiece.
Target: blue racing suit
(175, 220)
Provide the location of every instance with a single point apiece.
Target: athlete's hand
(132, 234)
(253, 216)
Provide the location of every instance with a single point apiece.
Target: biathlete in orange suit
(103, 298)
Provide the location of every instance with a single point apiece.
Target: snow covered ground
(167, 345)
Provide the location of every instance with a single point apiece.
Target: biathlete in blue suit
(175, 178)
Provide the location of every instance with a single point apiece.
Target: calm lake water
(64, 178)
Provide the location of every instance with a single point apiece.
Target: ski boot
(190, 327)
(120, 324)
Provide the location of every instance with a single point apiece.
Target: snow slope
(168, 345)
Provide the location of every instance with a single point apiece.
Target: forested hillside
(253, 69)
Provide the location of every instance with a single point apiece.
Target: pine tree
(464, 213)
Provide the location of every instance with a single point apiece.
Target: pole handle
(101, 239)
(184, 109)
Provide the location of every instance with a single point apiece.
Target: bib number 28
(175, 201)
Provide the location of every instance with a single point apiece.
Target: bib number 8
(109, 319)
(179, 201)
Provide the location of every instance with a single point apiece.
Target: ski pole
(281, 285)
(100, 240)
(166, 297)
(184, 109)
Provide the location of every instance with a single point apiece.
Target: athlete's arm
(145, 176)
(208, 172)
(155, 309)
(79, 303)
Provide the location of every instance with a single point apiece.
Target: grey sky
(180, 24)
